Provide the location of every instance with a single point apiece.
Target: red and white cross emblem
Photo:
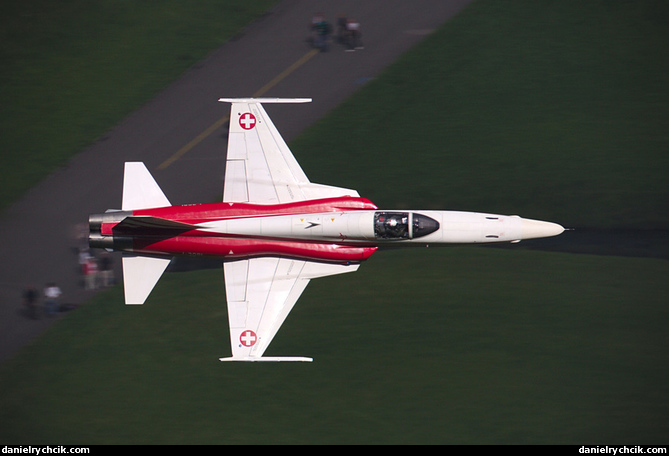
(247, 121)
(248, 338)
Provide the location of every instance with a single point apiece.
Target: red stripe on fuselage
(202, 213)
(207, 244)
(231, 248)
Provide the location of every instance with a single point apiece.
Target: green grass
(462, 345)
(553, 110)
(70, 70)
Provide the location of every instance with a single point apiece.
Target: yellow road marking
(194, 142)
(220, 122)
(304, 59)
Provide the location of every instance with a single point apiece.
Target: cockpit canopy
(403, 225)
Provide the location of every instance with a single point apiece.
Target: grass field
(554, 110)
(461, 345)
(72, 70)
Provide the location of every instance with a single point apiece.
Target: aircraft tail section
(140, 275)
(140, 190)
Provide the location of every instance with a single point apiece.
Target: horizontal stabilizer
(140, 190)
(145, 222)
(140, 275)
(272, 359)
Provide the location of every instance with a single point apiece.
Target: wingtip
(265, 100)
(270, 359)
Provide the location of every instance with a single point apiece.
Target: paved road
(36, 233)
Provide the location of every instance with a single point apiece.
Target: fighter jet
(274, 230)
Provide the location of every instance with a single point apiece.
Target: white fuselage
(365, 227)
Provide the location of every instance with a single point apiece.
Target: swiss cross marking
(248, 338)
(247, 121)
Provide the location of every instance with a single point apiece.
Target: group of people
(96, 271)
(348, 33)
(31, 298)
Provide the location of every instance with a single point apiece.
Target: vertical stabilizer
(140, 190)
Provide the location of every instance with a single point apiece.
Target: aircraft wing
(261, 292)
(260, 168)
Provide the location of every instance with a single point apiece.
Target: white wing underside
(261, 292)
(260, 167)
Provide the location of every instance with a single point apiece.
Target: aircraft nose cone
(537, 229)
